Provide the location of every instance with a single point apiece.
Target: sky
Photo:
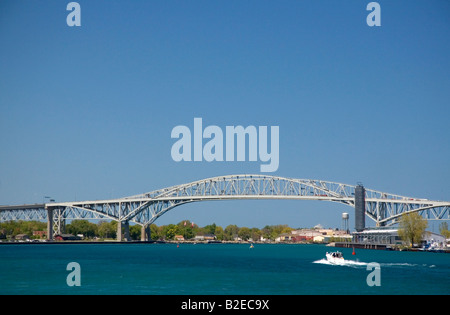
(86, 112)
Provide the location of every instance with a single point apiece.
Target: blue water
(216, 269)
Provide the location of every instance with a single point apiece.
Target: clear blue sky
(87, 112)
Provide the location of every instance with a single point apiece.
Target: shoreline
(336, 244)
(148, 242)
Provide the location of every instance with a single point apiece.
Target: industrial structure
(345, 227)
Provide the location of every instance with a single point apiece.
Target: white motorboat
(335, 257)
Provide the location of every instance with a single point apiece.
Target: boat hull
(334, 260)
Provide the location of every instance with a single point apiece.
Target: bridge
(383, 208)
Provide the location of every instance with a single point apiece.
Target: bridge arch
(381, 207)
(144, 209)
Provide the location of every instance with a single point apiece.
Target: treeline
(189, 230)
(14, 228)
(108, 230)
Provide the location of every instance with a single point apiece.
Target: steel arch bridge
(383, 208)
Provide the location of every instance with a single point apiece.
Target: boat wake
(357, 264)
(342, 262)
(337, 259)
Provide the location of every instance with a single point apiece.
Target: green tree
(171, 230)
(186, 229)
(135, 232)
(244, 233)
(155, 232)
(219, 233)
(230, 232)
(107, 229)
(412, 227)
(210, 229)
(82, 227)
(443, 229)
(12, 228)
(266, 232)
(255, 234)
(29, 226)
(273, 231)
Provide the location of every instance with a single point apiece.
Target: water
(216, 269)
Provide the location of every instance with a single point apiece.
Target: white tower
(345, 217)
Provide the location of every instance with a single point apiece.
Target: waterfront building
(22, 237)
(434, 241)
(41, 234)
(206, 237)
(67, 237)
(179, 238)
(386, 236)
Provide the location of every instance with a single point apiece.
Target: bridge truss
(383, 208)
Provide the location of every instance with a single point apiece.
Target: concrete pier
(123, 231)
(145, 233)
(49, 224)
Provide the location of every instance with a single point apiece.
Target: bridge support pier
(123, 227)
(119, 231)
(49, 224)
(145, 233)
(56, 222)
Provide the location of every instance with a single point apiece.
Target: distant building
(326, 231)
(432, 240)
(320, 238)
(390, 236)
(305, 235)
(210, 237)
(339, 232)
(285, 237)
(179, 238)
(434, 237)
(22, 237)
(377, 236)
(318, 235)
(67, 237)
(206, 237)
(41, 234)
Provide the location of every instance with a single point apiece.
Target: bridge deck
(23, 207)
